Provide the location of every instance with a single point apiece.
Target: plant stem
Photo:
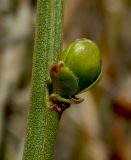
(42, 122)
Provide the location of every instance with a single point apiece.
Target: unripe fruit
(78, 69)
(83, 58)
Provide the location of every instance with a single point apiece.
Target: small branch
(42, 122)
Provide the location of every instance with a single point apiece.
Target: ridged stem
(42, 122)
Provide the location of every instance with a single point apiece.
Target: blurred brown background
(100, 127)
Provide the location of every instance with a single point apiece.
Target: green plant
(79, 69)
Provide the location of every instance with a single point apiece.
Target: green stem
(42, 122)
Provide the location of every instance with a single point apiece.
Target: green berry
(78, 70)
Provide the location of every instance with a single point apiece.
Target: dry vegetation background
(100, 127)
